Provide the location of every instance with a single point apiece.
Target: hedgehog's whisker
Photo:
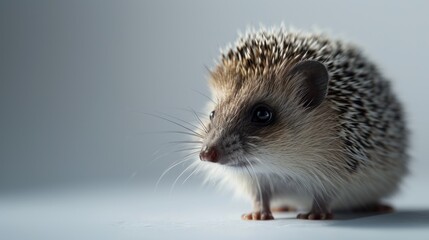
(257, 183)
(167, 132)
(181, 174)
(201, 122)
(178, 124)
(167, 153)
(192, 173)
(165, 149)
(184, 142)
(204, 95)
(186, 149)
(200, 114)
(183, 121)
(269, 170)
(168, 169)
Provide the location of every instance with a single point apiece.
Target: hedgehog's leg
(374, 208)
(319, 211)
(261, 210)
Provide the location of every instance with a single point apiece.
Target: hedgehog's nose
(209, 154)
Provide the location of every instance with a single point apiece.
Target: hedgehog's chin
(238, 163)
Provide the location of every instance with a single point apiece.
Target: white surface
(125, 212)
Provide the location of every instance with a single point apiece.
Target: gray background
(76, 77)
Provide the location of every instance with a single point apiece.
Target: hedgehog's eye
(262, 115)
(212, 115)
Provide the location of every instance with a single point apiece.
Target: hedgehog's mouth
(233, 163)
(238, 162)
(232, 158)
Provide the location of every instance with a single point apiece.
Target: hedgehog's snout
(209, 154)
(224, 150)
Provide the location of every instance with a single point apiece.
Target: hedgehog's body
(346, 151)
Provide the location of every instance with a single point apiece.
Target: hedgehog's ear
(313, 78)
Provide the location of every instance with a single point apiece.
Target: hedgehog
(302, 121)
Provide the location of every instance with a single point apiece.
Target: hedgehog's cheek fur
(296, 136)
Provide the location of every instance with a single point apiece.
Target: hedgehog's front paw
(258, 215)
(315, 216)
